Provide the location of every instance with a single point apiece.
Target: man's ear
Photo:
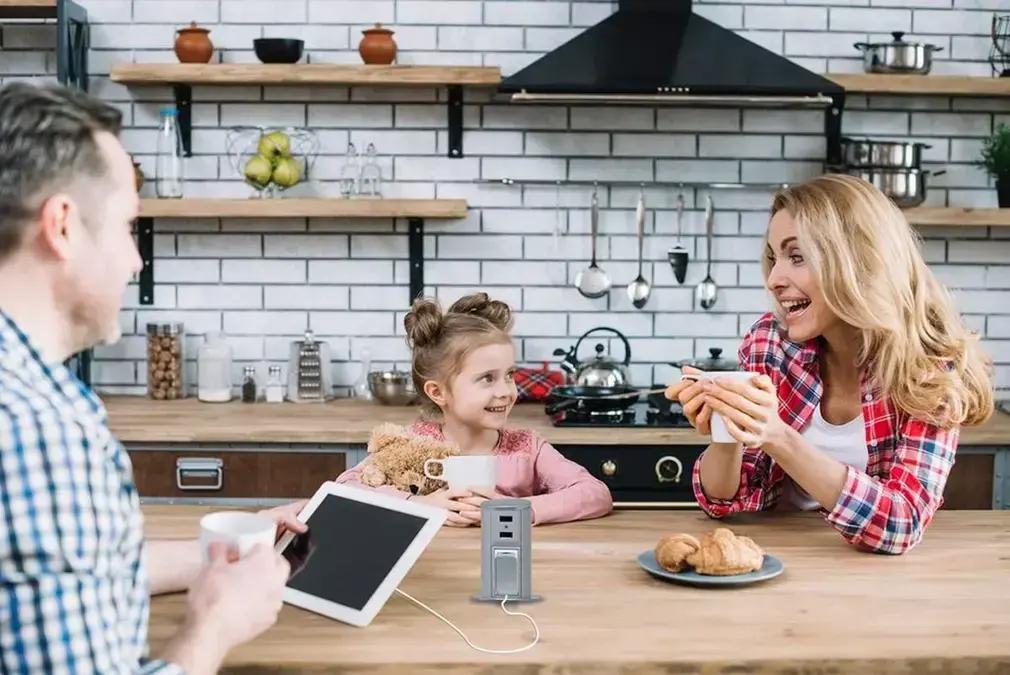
(55, 225)
(436, 392)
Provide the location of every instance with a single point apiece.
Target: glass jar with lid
(165, 361)
(214, 369)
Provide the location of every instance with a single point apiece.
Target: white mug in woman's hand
(463, 472)
(720, 434)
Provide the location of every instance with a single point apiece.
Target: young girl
(865, 373)
(463, 362)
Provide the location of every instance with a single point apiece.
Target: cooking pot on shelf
(865, 153)
(905, 187)
(897, 56)
(603, 370)
(713, 362)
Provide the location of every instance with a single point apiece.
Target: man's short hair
(47, 142)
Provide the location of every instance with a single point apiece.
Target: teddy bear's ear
(383, 435)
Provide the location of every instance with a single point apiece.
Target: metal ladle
(707, 291)
(677, 255)
(593, 282)
(638, 290)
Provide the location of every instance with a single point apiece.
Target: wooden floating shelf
(303, 208)
(27, 9)
(958, 217)
(303, 73)
(930, 85)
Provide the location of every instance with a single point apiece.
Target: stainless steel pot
(898, 56)
(905, 187)
(861, 153)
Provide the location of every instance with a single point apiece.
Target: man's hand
(461, 514)
(286, 517)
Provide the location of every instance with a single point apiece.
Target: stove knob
(669, 469)
(609, 467)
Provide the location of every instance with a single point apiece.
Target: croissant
(722, 553)
(672, 551)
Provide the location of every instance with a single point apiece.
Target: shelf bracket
(73, 38)
(455, 121)
(184, 103)
(833, 131)
(415, 248)
(145, 246)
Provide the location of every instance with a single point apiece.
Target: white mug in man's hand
(462, 472)
(720, 434)
(239, 530)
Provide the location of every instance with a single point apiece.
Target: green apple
(258, 171)
(288, 172)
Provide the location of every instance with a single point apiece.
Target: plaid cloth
(887, 508)
(536, 384)
(73, 589)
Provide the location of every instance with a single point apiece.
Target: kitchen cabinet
(232, 474)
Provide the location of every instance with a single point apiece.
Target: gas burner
(602, 417)
(640, 414)
(666, 418)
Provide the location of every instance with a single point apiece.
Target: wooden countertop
(136, 419)
(943, 607)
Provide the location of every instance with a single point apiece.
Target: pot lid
(899, 41)
(714, 361)
(378, 28)
(193, 28)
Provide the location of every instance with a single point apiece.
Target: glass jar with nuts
(165, 361)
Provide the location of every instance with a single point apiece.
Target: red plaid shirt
(887, 508)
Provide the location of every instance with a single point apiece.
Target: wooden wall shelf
(182, 77)
(303, 208)
(27, 9)
(958, 217)
(414, 210)
(927, 85)
(302, 74)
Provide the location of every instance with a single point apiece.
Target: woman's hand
(691, 396)
(461, 514)
(750, 409)
(286, 517)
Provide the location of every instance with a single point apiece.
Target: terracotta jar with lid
(193, 44)
(378, 46)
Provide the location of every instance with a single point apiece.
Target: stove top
(640, 414)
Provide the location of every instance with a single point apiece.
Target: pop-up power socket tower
(506, 543)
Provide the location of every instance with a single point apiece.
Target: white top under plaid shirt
(73, 587)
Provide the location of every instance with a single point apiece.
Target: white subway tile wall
(264, 282)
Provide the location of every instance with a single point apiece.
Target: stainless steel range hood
(659, 52)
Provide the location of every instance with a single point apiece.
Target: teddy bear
(396, 457)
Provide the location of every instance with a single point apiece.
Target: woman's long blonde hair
(867, 260)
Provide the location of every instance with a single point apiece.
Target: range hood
(658, 51)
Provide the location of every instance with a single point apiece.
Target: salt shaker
(249, 385)
(275, 387)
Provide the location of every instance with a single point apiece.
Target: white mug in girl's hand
(720, 434)
(240, 530)
(463, 472)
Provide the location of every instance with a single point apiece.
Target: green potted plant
(996, 162)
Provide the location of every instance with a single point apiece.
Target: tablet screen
(349, 550)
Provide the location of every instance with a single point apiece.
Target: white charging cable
(536, 629)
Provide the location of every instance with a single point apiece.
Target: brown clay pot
(193, 44)
(378, 46)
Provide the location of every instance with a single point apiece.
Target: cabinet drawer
(234, 474)
(969, 485)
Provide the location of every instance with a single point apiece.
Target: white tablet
(359, 546)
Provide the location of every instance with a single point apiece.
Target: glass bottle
(350, 173)
(168, 167)
(275, 386)
(361, 388)
(370, 182)
(249, 385)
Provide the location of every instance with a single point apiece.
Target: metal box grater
(308, 370)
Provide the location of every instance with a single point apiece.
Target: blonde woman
(864, 375)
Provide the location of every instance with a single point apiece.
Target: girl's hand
(691, 396)
(750, 409)
(461, 514)
(286, 517)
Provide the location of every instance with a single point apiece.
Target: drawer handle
(663, 469)
(199, 468)
(609, 468)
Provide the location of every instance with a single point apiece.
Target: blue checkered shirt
(73, 586)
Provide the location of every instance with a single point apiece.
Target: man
(74, 572)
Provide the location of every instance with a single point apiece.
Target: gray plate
(771, 568)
